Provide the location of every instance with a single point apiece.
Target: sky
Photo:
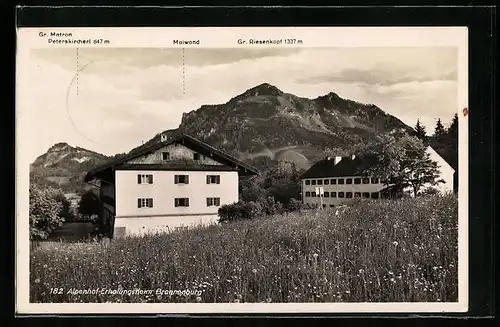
(122, 97)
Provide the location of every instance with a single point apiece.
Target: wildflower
(44, 266)
(254, 271)
(348, 292)
(198, 299)
(236, 301)
(268, 300)
(37, 280)
(315, 255)
(395, 243)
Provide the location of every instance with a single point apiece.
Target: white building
(178, 182)
(336, 180)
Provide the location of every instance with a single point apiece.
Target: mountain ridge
(261, 126)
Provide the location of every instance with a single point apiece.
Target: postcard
(242, 170)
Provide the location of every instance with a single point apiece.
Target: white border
(226, 37)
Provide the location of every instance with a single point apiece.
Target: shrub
(44, 212)
(89, 204)
(241, 210)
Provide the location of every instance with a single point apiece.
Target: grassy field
(376, 251)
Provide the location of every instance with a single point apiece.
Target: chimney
(163, 138)
(337, 160)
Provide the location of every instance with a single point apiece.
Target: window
(374, 180)
(165, 155)
(357, 194)
(341, 181)
(332, 206)
(181, 202)
(333, 181)
(348, 195)
(327, 182)
(313, 194)
(213, 202)
(341, 194)
(375, 195)
(313, 182)
(324, 205)
(144, 179)
(196, 156)
(366, 181)
(320, 182)
(144, 203)
(349, 181)
(333, 194)
(181, 179)
(357, 181)
(308, 182)
(308, 194)
(366, 195)
(213, 179)
(326, 194)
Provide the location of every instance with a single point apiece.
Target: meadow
(373, 251)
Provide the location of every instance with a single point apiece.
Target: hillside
(265, 125)
(261, 126)
(63, 166)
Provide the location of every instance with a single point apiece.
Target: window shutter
(176, 179)
(187, 179)
(139, 179)
(218, 179)
(187, 202)
(208, 202)
(150, 179)
(208, 179)
(217, 201)
(176, 202)
(138, 201)
(150, 203)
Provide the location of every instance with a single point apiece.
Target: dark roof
(177, 166)
(181, 138)
(346, 167)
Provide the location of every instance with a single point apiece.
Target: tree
(453, 129)
(400, 163)
(65, 213)
(439, 131)
(89, 204)
(420, 131)
(44, 212)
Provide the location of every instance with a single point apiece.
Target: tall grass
(375, 251)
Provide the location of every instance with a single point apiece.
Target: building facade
(174, 184)
(337, 180)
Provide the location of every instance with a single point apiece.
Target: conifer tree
(420, 131)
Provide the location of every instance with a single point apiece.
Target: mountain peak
(60, 146)
(263, 89)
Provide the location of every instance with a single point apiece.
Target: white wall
(337, 188)
(445, 169)
(164, 191)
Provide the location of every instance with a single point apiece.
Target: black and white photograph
(248, 171)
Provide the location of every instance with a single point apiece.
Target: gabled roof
(183, 139)
(346, 167)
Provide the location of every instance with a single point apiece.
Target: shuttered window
(213, 179)
(181, 179)
(144, 179)
(213, 202)
(144, 203)
(181, 202)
